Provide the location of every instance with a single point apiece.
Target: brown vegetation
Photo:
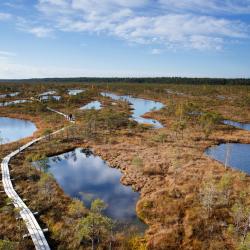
(188, 200)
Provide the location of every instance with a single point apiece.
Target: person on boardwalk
(70, 117)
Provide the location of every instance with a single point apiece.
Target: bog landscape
(125, 165)
(124, 125)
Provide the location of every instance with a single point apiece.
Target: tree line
(152, 80)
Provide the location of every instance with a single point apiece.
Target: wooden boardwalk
(35, 231)
(58, 112)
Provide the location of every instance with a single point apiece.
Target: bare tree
(208, 195)
(228, 154)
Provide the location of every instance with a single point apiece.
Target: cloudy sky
(53, 38)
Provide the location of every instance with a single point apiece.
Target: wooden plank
(35, 231)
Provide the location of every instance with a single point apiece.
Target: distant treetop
(156, 80)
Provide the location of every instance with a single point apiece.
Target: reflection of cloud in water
(234, 154)
(92, 105)
(245, 126)
(51, 92)
(15, 129)
(75, 91)
(84, 176)
(140, 107)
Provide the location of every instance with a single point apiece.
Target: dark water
(92, 105)
(75, 91)
(86, 176)
(232, 154)
(15, 129)
(245, 126)
(140, 107)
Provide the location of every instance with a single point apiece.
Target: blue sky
(67, 38)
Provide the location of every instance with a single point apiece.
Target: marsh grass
(169, 171)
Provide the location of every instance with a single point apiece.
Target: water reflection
(140, 107)
(245, 126)
(86, 176)
(9, 95)
(75, 91)
(232, 154)
(50, 97)
(92, 105)
(5, 104)
(15, 129)
(51, 92)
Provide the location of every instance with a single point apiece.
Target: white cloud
(61, 3)
(40, 31)
(169, 23)
(106, 5)
(16, 71)
(5, 16)
(170, 30)
(156, 51)
(211, 6)
(17, 4)
(7, 53)
(5, 56)
(126, 20)
(20, 71)
(200, 42)
(33, 27)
